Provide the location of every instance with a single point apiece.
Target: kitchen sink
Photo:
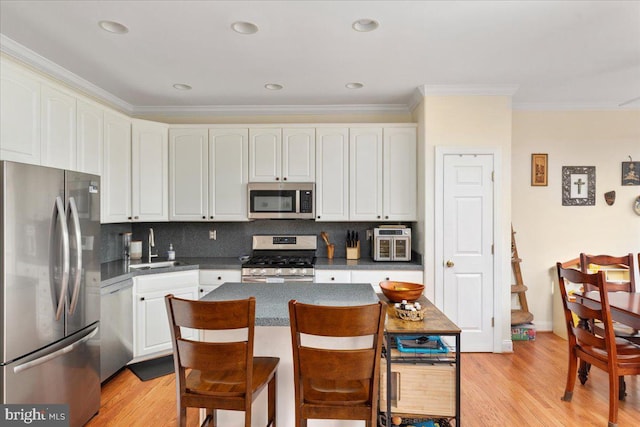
(151, 265)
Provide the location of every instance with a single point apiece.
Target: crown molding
(469, 90)
(586, 106)
(55, 71)
(264, 110)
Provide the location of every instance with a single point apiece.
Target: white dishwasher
(116, 327)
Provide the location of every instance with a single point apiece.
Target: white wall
(548, 232)
(468, 121)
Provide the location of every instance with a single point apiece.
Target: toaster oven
(391, 244)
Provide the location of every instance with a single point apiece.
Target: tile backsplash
(233, 239)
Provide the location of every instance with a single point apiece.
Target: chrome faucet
(152, 244)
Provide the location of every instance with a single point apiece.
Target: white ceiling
(553, 54)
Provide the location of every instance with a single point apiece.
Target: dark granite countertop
(364, 263)
(116, 271)
(272, 299)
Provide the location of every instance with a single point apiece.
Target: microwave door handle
(75, 222)
(59, 217)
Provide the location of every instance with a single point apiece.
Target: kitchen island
(273, 336)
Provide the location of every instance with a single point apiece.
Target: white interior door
(468, 230)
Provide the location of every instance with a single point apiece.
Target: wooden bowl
(398, 291)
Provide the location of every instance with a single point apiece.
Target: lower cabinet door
(152, 324)
(420, 389)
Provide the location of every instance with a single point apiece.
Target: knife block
(354, 252)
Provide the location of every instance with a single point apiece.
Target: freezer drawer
(65, 372)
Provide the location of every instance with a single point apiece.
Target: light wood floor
(518, 389)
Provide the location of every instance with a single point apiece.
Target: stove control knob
(278, 271)
(254, 271)
(304, 271)
(263, 271)
(293, 271)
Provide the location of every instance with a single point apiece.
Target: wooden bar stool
(224, 375)
(336, 383)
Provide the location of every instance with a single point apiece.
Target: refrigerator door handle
(57, 353)
(60, 217)
(77, 274)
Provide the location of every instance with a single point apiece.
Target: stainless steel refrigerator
(50, 293)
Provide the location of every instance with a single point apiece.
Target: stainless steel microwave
(391, 244)
(281, 200)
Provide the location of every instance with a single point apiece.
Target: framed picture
(539, 170)
(578, 185)
(630, 173)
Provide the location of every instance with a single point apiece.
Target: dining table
(624, 306)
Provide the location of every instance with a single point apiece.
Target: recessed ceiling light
(364, 25)
(113, 27)
(273, 86)
(182, 86)
(244, 27)
(354, 85)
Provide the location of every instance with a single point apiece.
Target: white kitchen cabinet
(89, 137)
(188, 174)
(332, 276)
(228, 174)
(399, 177)
(151, 329)
(58, 126)
(282, 154)
(299, 154)
(212, 279)
(376, 276)
(150, 171)
(332, 174)
(365, 174)
(19, 114)
(383, 178)
(116, 170)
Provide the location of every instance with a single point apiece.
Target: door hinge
(492, 176)
(493, 322)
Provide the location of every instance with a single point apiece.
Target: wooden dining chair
(223, 375)
(619, 262)
(336, 383)
(615, 356)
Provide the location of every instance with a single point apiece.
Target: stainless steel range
(282, 258)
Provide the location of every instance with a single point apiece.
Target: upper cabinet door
(116, 170)
(400, 181)
(188, 174)
(298, 155)
(265, 155)
(332, 174)
(228, 174)
(19, 114)
(90, 137)
(365, 174)
(58, 118)
(150, 171)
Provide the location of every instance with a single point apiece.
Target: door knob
(449, 263)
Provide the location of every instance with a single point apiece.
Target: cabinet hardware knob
(318, 216)
(204, 217)
(219, 277)
(285, 178)
(277, 178)
(128, 217)
(378, 216)
(141, 298)
(201, 290)
(135, 217)
(449, 263)
(386, 217)
(211, 217)
(333, 278)
(386, 278)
